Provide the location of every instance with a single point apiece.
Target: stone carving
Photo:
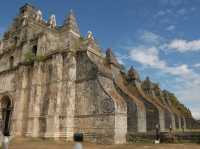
(52, 21)
(6, 83)
(43, 43)
(107, 106)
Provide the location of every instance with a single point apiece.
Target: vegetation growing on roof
(177, 104)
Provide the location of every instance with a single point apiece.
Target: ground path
(44, 144)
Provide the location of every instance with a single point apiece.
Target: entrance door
(6, 112)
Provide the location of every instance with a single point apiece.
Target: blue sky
(160, 38)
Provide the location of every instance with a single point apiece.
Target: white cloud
(167, 16)
(170, 28)
(147, 56)
(181, 70)
(196, 113)
(173, 13)
(182, 11)
(121, 58)
(188, 81)
(196, 65)
(150, 57)
(185, 81)
(181, 45)
(176, 2)
(162, 13)
(149, 38)
(193, 9)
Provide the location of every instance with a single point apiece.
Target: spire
(111, 57)
(147, 84)
(133, 74)
(27, 6)
(147, 78)
(157, 89)
(90, 35)
(28, 9)
(71, 23)
(52, 21)
(39, 16)
(91, 42)
(166, 93)
(156, 86)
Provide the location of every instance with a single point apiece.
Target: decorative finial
(157, 86)
(147, 78)
(38, 16)
(133, 74)
(71, 12)
(131, 69)
(70, 22)
(90, 35)
(52, 21)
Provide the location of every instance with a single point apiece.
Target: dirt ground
(44, 144)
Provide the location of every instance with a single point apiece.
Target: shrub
(30, 57)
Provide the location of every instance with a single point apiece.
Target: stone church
(59, 83)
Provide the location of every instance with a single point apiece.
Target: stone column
(142, 126)
(184, 123)
(179, 122)
(120, 128)
(162, 120)
(173, 122)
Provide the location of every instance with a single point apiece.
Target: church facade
(60, 83)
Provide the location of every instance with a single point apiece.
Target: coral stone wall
(60, 83)
(98, 114)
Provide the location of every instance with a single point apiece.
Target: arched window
(34, 50)
(11, 61)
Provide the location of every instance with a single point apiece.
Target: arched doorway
(6, 113)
